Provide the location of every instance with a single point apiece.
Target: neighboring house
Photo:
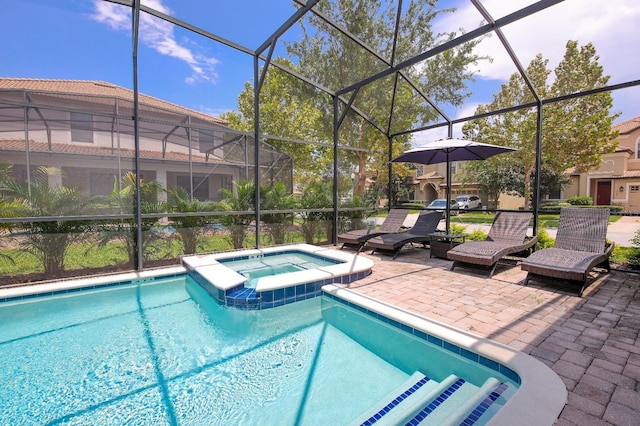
(85, 129)
(431, 183)
(617, 180)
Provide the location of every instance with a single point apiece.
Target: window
(81, 127)
(200, 186)
(634, 188)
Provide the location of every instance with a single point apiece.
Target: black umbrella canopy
(445, 150)
(448, 150)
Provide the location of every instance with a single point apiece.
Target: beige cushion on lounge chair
(357, 238)
(425, 225)
(580, 246)
(508, 235)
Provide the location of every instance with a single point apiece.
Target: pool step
(487, 406)
(426, 402)
(408, 398)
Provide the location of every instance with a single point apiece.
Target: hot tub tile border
(248, 298)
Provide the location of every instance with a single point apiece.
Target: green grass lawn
(16, 261)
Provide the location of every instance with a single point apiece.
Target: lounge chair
(580, 246)
(425, 225)
(357, 238)
(507, 236)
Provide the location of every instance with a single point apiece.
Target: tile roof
(98, 88)
(101, 151)
(430, 175)
(627, 126)
(629, 174)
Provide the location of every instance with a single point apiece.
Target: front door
(603, 193)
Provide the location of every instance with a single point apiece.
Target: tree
(501, 174)
(576, 132)
(335, 62)
(275, 197)
(46, 240)
(123, 200)
(190, 228)
(317, 195)
(239, 200)
(285, 110)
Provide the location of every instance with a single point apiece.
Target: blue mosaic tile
(469, 355)
(509, 373)
(477, 412)
(278, 294)
(435, 340)
(289, 292)
(267, 296)
(387, 408)
(451, 347)
(489, 363)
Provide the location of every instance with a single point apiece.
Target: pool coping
(85, 283)
(542, 394)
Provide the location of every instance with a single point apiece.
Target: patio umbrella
(448, 150)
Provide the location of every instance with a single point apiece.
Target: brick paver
(592, 343)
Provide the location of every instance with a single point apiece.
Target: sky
(91, 40)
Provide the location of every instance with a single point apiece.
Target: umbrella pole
(448, 196)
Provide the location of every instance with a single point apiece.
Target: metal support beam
(336, 127)
(256, 145)
(536, 193)
(464, 38)
(135, 25)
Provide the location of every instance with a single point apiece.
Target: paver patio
(592, 342)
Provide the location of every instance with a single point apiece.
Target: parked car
(469, 202)
(440, 205)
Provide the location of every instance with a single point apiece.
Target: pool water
(165, 352)
(256, 267)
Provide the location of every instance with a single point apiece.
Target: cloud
(613, 29)
(426, 136)
(158, 35)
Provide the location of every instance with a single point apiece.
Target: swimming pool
(163, 351)
(274, 276)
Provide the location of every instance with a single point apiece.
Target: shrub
(477, 235)
(456, 228)
(580, 200)
(411, 205)
(544, 239)
(553, 205)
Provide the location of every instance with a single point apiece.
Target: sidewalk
(621, 232)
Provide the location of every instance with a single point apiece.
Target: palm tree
(275, 197)
(316, 195)
(47, 240)
(123, 199)
(242, 199)
(190, 228)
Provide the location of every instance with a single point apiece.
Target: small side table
(440, 243)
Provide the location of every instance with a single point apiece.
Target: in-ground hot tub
(274, 276)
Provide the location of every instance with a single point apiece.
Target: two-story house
(617, 180)
(86, 130)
